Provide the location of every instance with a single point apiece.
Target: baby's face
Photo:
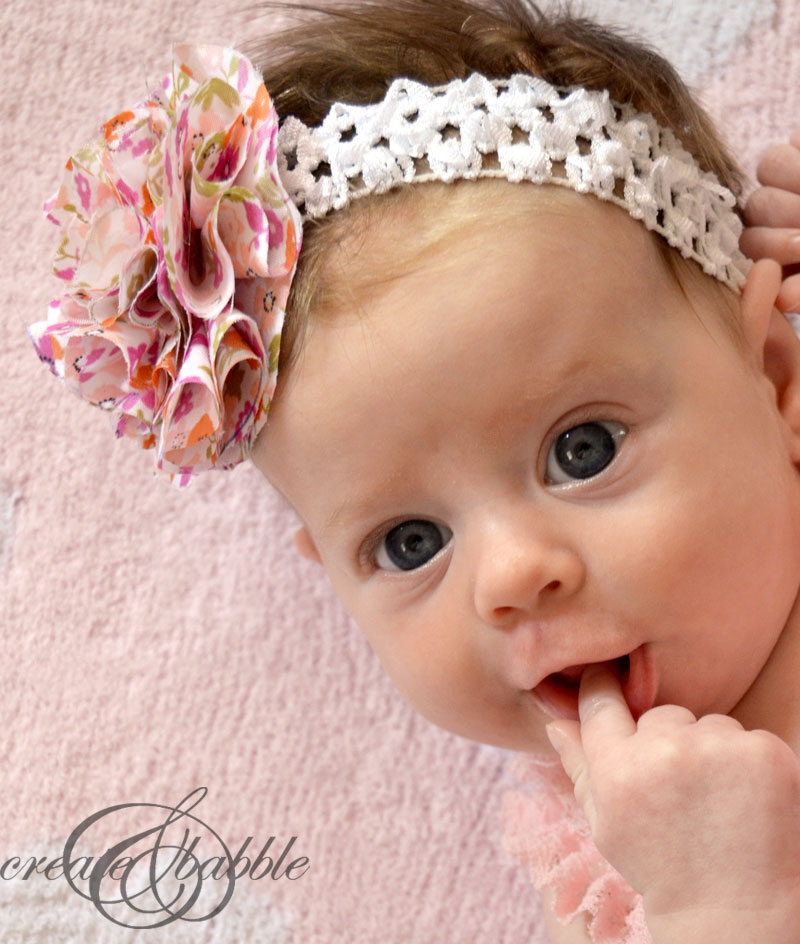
(528, 454)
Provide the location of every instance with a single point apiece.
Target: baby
(545, 445)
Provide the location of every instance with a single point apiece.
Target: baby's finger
(665, 717)
(788, 299)
(604, 713)
(765, 242)
(780, 167)
(723, 722)
(770, 206)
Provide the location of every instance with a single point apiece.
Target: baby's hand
(700, 816)
(772, 215)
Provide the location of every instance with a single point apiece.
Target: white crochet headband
(521, 128)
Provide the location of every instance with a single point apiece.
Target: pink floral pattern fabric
(544, 828)
(178, 246)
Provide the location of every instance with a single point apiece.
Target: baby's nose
(523, 570)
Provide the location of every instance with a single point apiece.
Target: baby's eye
(411, 544)
(583, 451)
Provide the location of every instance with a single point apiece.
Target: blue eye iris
(411, 544)
(584, 451)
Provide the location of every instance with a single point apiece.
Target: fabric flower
(178, 246)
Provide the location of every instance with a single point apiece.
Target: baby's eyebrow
(355, 507)
(342, 515)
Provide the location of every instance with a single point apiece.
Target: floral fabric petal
(177, 251)
(545, 829)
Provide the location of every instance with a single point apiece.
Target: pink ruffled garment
(545, 828)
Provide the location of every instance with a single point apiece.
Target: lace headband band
(181, 226)
(521, 128)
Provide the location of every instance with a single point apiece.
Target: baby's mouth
(557, 694)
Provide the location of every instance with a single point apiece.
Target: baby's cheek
(433, 681)
(403, 661)
(424, 678)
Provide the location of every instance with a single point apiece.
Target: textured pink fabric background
(156, 641)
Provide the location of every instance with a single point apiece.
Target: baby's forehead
(381, 239)
(544, 266)
(546, 282)
(352, 258)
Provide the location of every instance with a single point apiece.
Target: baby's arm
(700, 816)
(772, 215)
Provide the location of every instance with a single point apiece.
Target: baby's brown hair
(352, 50)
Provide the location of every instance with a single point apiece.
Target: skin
(773, 217)
(714, 848)
(439, 394)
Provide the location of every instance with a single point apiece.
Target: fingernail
(794, 244)
(555, 735)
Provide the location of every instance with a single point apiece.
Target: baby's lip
(557, 693)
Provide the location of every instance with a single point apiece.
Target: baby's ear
(305, 545)
(774, 345)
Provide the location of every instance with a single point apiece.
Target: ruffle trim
(545, 829)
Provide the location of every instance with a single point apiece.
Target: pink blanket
(155, 642)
